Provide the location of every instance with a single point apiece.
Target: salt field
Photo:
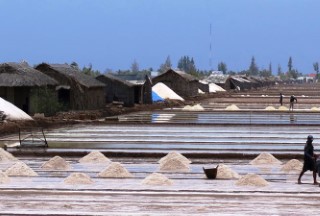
(136, 142)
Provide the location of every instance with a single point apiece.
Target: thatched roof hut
(180, 82)
(128, 92)
(76, 90)
(18, 80)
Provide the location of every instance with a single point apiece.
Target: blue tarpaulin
(156, 97)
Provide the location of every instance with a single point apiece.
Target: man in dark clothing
(281, 98)
(292, 99)
(309, 162)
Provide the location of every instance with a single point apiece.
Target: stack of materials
(95, 157)
(157, 179)
(252, 180)
(174, 162)
(56, 163)
(20, 169)
(115, 170)
(78, 178)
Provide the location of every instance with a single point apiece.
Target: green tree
(290, 65)
(186, 64)
(166, 65)
(316, 69)
(279, 70)
(74, 64)
(135, 66)
(270, 68)
(222, 67)
(253, 69)
(89, 71)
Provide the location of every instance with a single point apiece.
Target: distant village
(50, 88)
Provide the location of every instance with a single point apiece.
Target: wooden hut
(19, 84)
(221, 80)
(180, 82)
(128, 92)
(76, 90)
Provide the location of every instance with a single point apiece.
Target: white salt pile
(315, 109)
(174, 154)
(200, 91)
(175, 164)
(214, 88)
(265, 159)
(6, 156)
(197, 107)
(157, 179)
(20, 169)
(78, 178)
(165, 92)
(56, 163)
(225, 172)
(252, 180)
(115, 170)
(284, 108)
(12, 112)
(270, 108)
(292, 165)
(232, 107)
(4, 178)
(95, 157)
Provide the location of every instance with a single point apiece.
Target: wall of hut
(178, 84)
(203, 86)
(118, 91)
(147, 91)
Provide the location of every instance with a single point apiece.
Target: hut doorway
(64, 95)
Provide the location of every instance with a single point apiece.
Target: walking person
(309, 162)
(292, 99)
(281, 98)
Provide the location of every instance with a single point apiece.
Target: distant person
(281, 99)
(309, 162)
(292, 99)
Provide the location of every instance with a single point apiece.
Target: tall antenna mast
(210, 48)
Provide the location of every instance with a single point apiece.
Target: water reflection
(161, 117)
(292, 118)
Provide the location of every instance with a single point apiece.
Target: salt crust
(20, 169)
(265, 159)
(6, 156)
(157, 179)
(225, 172)
(252, 180)
(78, 178)
(292, 165)
(4, 179)
(95, 157)
(56, 163)
(174, 154)
(115, 170)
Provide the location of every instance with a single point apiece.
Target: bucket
(211, 173)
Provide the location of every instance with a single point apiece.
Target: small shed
(76, 90)
(19, 84)
(128, 92)
(219, 79)
(180, 82)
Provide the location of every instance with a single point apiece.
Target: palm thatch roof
(115, 79)
(22, 75)
(184, 75)
(72, 73)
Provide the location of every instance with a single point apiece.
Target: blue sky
(114, 33)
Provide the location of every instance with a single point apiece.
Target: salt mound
(232, 107)
(56, 163)
(214, 88)
(4, 178)
(95, 157)
(6, 156)
(292, 165)
(157, 179)
(12, 112)
(197, 107)
(200, 91)
(78, 178)
(270, 108)
(20, 169)
(115, 170)
(283, 108)
(174, 154)
(252, 180)
(315, 109)
(175, 164)
(226, 172)
(266, 159)
(165, 92)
